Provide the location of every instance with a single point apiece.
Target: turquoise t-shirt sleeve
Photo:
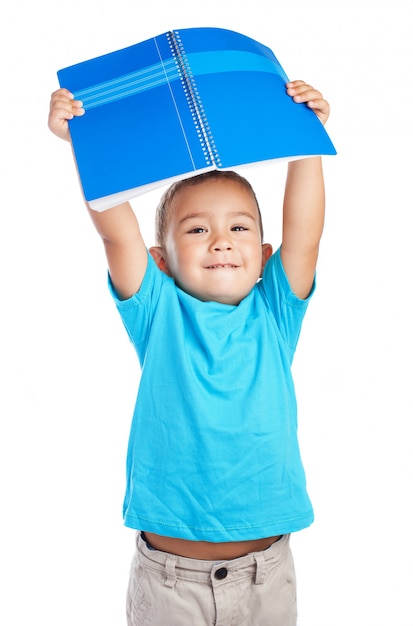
(288, 309)
(136, 311)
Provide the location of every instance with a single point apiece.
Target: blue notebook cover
(181, 103)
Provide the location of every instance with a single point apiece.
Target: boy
(215, 483)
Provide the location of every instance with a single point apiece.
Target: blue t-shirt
(213, 452)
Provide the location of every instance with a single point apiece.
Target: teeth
(220, 266)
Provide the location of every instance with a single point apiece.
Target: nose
(220, 242)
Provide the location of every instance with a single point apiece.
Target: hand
(301, 92)
(63, 107)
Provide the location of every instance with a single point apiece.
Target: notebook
(181, 103)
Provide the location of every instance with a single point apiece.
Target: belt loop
(260, 569)
(170, 571)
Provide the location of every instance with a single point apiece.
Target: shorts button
(221, 573)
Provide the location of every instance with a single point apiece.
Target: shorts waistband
(173, 567)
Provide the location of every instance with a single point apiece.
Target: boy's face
(213, 242)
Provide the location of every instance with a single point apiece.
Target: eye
(239, 228)
(197, 229)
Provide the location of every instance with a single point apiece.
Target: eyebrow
(202, 214)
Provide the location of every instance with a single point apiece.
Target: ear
(158, 256)
(266, 253)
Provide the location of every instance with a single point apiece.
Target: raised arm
(303, 211)
(124, 247)
(118, 227)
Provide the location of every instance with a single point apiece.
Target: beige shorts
(255, 590)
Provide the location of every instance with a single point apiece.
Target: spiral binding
(194, 100)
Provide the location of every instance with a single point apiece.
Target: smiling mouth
(219, 266)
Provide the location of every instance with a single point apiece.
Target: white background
(69, 375)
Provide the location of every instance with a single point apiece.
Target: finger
(321, 108)
(61, 95)
(304, 93)
(64, 95)
(318, 103)
(63, 92)
(299, 87)
(296, 83)
(61, 114)
(63, 107)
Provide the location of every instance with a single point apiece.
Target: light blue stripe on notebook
(219, 61)
(199, 63)
(128, 84)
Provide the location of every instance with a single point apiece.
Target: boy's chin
(224, 297)
(225, 293)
